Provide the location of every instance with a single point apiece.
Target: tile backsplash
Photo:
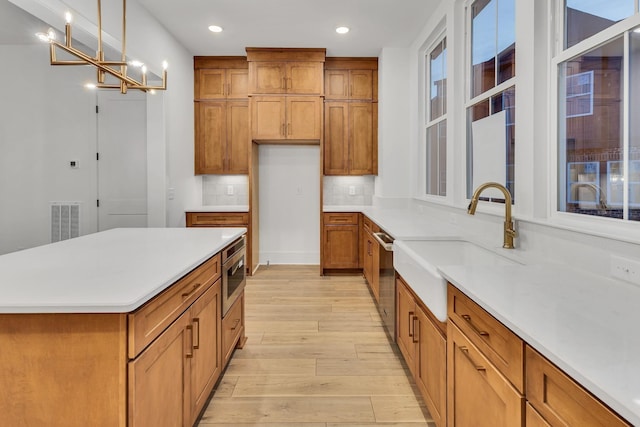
(348, 190)
(216, 189)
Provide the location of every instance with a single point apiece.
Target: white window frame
(427, 122)
(619, 229)
(497, 208)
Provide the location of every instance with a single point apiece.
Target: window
(598, 98)
(491, 107)
(436, 120)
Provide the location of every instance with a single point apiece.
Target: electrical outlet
(625, 269)
(171, 193)
(352, 190)
(74, 164)
(230, 190)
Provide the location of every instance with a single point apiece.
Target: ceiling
(292, 23)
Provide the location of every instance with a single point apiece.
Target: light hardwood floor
(316, 356)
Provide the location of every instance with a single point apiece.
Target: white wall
(39, 135)
(289, 204)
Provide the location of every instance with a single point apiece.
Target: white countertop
(114, 271)
(586, 324)
(219, 208)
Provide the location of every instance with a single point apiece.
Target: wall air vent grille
(65, 220)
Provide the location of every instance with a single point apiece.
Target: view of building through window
(436, 134)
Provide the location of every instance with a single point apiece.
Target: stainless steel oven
(233, 273)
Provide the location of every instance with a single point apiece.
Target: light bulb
(144, 69)
(44, 37)
(68, 17)
(90, 85)
(342, 30)
(51, 34)
(165, 65)
(152, 91)
(136, 64)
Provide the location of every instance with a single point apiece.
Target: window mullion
(626, 67)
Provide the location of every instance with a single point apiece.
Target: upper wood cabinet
(286, 118)
(351, 138)
(278, 71)
(222, 137)
(351, 79)
(221, 78)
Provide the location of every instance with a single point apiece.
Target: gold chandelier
(117, 69)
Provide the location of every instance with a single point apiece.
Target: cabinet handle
(467, 318)
(284, 83)
(290, 84)
(465, 351)
(235, 324)
(289, 128)
(411, 332)
(196, 321)
(193, 289)
(189, 354)
(282, 132)
(415, 334)
(351, 90)
(228, 89)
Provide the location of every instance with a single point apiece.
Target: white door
(122, 161)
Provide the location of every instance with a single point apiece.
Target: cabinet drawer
(504, 348)
(534, 419)
(340, 218)
(560, 400)
(232, 327)
(217, 218)
(369, 225)
(150, 320)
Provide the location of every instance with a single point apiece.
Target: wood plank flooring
(316, 356)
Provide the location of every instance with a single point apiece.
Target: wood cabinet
(222, 128)
(557, 400)
(222, 137)
(233, 329)
(155, 366)
(351, 138)
(371, 255)
(341, 241)
(226, 219)
(286, 118)
(295, 78)
(351, 79)
(423, 343)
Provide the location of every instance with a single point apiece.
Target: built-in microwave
(233, 273)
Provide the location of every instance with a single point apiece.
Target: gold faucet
(509, 230)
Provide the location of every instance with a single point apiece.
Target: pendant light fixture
(117, 69)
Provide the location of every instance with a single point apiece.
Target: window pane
(634, 131)
(438, 81)
(437, 159)
(592, 144)
(483, 46)
(506, 40)
(585, 18)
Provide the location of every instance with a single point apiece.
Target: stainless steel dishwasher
(387, 281)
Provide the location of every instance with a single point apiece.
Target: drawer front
(504, 348)
(217, 219)
(534, 419)
(369, 225)
(562, 401)
(232, 327)
(150, 320)
(340, 218)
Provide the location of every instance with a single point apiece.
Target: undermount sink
(418, 261)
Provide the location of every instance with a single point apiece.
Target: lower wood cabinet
(423, 343)
(371, 254)
(560, 401)
(233, 329)
(340, 240)
(227, 219)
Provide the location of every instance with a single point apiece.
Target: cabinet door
(361, 84)
(237, 148)
(303, 117)
(206, 363)
(211, 84)
(304, 78)
(232, 328)
(478, 394)
(267, 77)
(534, 419)
(405, 324)
(362, 149)
(210, 138)
(237, 83)
(341, 246)
(431, 367)
(268, 117)
(336, 84)
(368, 255)
(336, 138)
(375, 268)
(160, 381)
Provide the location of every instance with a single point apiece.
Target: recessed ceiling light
(215, 29)
(342, 30)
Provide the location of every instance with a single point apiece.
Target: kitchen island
(118, 328)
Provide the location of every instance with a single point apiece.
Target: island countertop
(114, 271)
